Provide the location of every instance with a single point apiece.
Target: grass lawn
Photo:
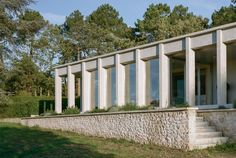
(17, 141)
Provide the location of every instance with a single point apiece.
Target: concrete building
(197, 68)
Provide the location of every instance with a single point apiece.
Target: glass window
(130, 83)
(152, 81)
(111, 86)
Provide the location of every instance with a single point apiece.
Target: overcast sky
(56, 10)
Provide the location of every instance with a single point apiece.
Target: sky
(56, 10)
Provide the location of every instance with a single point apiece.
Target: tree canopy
(160, 22)
(30, 46)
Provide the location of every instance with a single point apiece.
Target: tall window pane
(111, 86)
(152, 81)
(130, 83)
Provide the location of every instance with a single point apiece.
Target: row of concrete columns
(164, 84)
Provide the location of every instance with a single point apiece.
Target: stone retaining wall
(173, 128)
(224, 120)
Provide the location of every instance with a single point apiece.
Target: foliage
(98, 111)
(10, 10)
(224, 15)
(235, 104)
(183, 105)
(4, 103)
(103, 31)
(23, 106)
(25, 76)
(132, 107)
(126, 107)
(159, 23)
(74, 110)
(49, 113)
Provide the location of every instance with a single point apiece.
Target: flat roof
(222, 27)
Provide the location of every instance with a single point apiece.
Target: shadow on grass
(17, 141)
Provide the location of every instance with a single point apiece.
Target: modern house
(197, 68)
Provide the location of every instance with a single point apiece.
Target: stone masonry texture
(173, 128)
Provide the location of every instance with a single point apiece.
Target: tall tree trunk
(40, 91)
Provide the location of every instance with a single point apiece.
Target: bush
(49, 113)
(74, 110)
(183, 105)
(23, 106)
(98, 111)
(4, 103)
(235, 104)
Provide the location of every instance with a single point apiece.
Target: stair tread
(215, 140)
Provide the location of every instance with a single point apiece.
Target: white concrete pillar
(58, 93)
(164, 81)
(102, 88)
(140, 79)
(190, 73)
(86, 89)
(221, 53)
(198, 85)
(70, 87)
(120, 82)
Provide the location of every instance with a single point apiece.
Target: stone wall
(224, 120)
(173, 128)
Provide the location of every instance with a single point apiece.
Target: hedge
(25, 106)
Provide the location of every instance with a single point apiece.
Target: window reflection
(130, 85)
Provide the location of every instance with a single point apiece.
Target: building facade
(198, 69)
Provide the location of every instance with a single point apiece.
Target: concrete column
(221, 53)
(140, 79)
(164, 81)
(190, 73)
(198, 85)
(70, 87)
(86, 88)
(102, 88)
(120, 82)
(58, 93)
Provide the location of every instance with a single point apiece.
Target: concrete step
(201, 124)
(215, 140)
(208, 135)
(205, 129)
(199, 119)
(204, 146)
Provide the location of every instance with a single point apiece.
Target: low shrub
(74, 110)
(98, 110)
(183, 105)
(49, 113)
(4, 103)
(235, 104)
(113, 108)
